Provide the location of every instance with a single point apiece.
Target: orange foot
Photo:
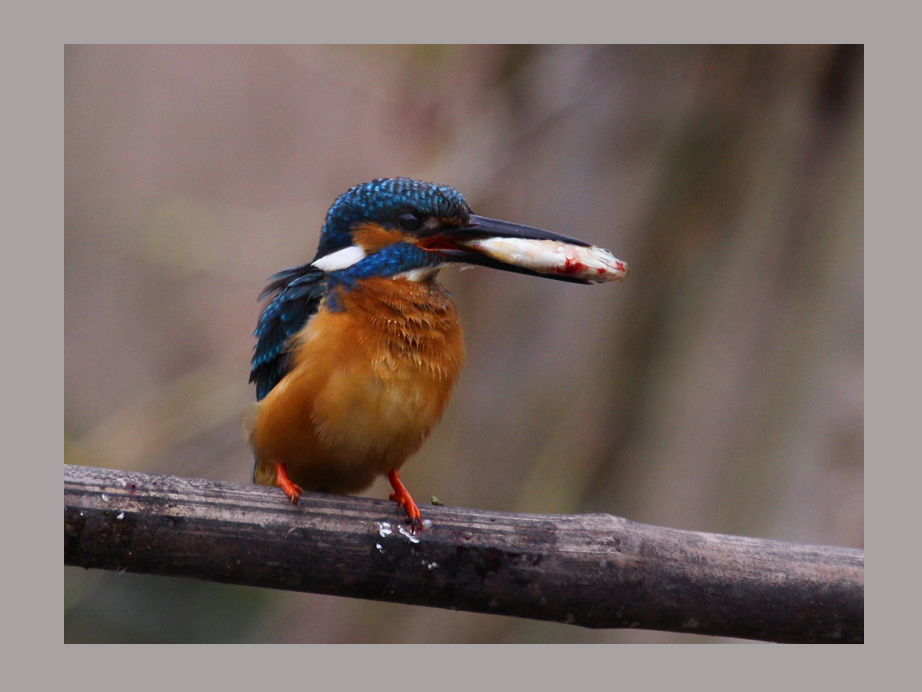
(402, 497)
(292, 490)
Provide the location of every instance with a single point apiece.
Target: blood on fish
(572, 266)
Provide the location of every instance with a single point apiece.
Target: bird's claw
(291, 489)
(405, 502)
(402, 497)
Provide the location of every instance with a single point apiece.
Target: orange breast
(367, 385)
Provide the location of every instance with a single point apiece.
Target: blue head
(383, 228)
(396, 204)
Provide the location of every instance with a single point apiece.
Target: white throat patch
(341, 259)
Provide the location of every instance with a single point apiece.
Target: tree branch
(594, 570)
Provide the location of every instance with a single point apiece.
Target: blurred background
(719, 388)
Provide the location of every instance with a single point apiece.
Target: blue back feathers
(296, 294)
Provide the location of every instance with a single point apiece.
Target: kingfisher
(358, 350)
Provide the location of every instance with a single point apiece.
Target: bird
(357, 351)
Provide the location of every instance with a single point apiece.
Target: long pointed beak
(526, 250)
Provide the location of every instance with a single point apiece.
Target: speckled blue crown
(382, 201)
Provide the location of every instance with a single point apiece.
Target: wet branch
(594, 570)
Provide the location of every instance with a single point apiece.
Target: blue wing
(296, 294)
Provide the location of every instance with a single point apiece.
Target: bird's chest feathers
(395, 328)
(380, 368)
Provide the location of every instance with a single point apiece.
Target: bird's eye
(409, 222)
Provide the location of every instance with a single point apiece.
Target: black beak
(513, 247)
